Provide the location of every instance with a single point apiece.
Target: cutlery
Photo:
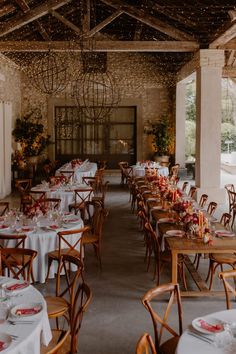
(19, 322)
(201, 337)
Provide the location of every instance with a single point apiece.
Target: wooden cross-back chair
(101, 195)
(18, 262)
(68, 174)
(81, 195)
(160, 324)
(23, 186)
(4, 207)
(162, 258)
(231, 195)
(51, 203)
(225, 220)
(71, 301)
(145, 345)
(184, 186)
(192, 191)
(37, 196)
(69, 242)
(211, 208)
(203, 200)
(94, 235)
(225, 277)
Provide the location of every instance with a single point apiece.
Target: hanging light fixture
(95, 89)
(49, 73)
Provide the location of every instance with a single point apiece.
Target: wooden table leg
(174, 267)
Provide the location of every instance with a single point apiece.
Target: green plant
(30, 134)
(163, 136)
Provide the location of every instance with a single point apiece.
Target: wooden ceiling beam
(23, 5)
(103, 24)
(231, 58)
(225, 37)
(66, 22)
(108, 46)
(148, 19)
(31, 15)
(6, 9)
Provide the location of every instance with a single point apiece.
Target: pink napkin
(17, 286)
(225, 233)
(28, 311)
(209, 327)
(54, 227)
(3, 226)
(2, 345)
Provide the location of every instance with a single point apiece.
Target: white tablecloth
(139, 171)
(191, 345)
(29, 335)
(44, 240)
(87, 169)
(65, 193)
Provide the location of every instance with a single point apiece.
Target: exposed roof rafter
(31, 15)
(148, 19)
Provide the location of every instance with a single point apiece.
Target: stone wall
(138, 79)
(10, 86)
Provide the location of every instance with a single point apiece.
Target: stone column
(180, 123)
(208, 124)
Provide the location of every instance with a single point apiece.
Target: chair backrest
(174, 171)
(145, 345)
(69, 240)
(225, 220)
(4, 207)
(231, 199)
(23, 185)
(203, 200)
(160, 322)
(151, 239)
(51, 203)
(82, 195)
(77, 294)
(18, 261)
(37, 196)
(184, 186)
(212, 208)
(225, 276)
(192, 191)
(17, 239)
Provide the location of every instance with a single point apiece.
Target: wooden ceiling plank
(86, 15)
(42, 31)
(23, 5)
(108, 46)
(31, 15)
(148, 20)
(6, 9)
(231, 58)
(66, 22)
(103, 24)
(225, 37)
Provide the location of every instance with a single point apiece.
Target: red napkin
(26, 229)
(28, 311)
(225, 233)
(210, 327)
(2, 345)
(3, 226)
(17, 286)
(54, 227)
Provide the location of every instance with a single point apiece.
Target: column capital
(211, 58)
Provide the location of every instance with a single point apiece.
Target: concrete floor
(116, 318)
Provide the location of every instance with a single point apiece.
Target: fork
(201, 337)
(19, 322)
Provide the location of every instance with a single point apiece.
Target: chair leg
(50, 260)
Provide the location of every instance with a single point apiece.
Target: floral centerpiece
(18, 160)
(58, 180)
(30, 134)
(76, 162)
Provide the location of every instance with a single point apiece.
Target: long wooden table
(192, 246)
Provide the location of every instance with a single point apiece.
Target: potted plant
(163, 138)
(30, 134)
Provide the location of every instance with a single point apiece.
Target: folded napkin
(4, 226)
(17, 286)
(225, 233)
(3, 345)
(28, 311)
(53, 227)
(214, 328)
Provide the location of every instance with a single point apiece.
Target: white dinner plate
(208, 325)
(4, 228)
(5, 341)
(175, 232)
(26, 310)
(26, 230)
(72, 219)
(224, 233)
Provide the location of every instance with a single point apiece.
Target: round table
(190, 344)
(29, 336)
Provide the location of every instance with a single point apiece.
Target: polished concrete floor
(116, 317)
